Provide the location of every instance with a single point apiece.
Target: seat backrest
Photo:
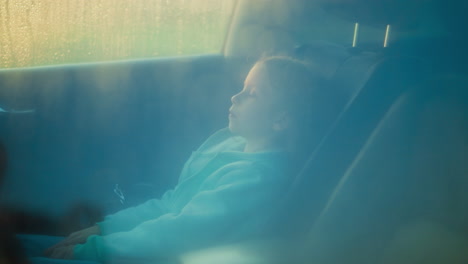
(371, 82)
(404, 199)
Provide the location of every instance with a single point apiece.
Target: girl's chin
(232, 128)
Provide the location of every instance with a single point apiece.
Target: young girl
(228, 188)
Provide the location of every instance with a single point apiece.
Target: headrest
(327, 56)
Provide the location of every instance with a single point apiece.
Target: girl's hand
(73, 239)
(65, 252)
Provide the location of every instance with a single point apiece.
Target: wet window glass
(47, 32)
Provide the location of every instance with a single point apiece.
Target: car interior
(386, 184)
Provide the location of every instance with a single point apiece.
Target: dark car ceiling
(272, 26)
(400, 13)
(403, 14)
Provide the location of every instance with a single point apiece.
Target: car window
(48, 32)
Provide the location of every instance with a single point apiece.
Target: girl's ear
(282, 122)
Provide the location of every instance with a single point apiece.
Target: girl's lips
(231, 114)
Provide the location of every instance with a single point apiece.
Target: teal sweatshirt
(223, 195)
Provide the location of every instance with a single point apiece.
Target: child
(228, 188)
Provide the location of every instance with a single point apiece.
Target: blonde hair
(306, 95)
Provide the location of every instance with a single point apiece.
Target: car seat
(403, 199)
(370, 82)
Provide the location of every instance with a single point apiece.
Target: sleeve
(129, 218)
(238, 197)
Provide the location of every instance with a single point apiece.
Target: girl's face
(255, 110)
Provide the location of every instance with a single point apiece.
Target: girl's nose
(235, 99)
